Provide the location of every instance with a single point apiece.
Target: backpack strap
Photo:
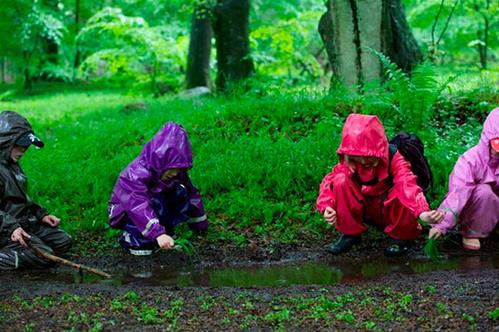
(392, 149)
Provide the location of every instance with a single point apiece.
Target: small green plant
(442, 308)
(431, 289)
(405, 301)
(494, 314)
(345, 316)
(171, 314)
(278, 317)
(430, 250)
(148, 314)
(369, 325)
(131, 296)
(116, 304)
(470, 319)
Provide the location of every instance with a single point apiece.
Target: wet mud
(279, 288)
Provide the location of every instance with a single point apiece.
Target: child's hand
(165, 242)
(19, 235)
(432, 217)
(330, 215)
(51, 220)
(434, 233)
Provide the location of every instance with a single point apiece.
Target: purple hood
(475, 166)
(169, 148)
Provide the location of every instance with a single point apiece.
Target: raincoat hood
(364, 135)
(12, 126)
(169, 148)
(489, 132)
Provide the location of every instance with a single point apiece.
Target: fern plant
(412, 96)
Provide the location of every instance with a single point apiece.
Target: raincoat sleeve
(38, 211)
(8, 223)
(461, 185)
(325, 198)
(405, 186)
(135, 200)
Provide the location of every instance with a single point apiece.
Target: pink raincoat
(474, 187)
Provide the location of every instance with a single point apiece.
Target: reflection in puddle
(305, 273)
(309, 273)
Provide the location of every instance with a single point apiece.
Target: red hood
(364, 135)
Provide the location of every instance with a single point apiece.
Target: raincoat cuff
(155, 231)
(12, 228)
(447, 223)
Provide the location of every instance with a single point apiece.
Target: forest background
(98, 78)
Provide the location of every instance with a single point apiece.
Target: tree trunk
(28, 79)
(231, 28)
(350, 28)
(198, 60)
(76, 62)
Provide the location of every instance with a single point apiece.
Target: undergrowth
(258, 158)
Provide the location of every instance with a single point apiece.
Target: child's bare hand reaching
(432, 217)
(51, 220)
(330, 215)
(165, 242)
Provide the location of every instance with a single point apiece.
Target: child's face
(365, 162)
(17, 152)
(171, 173)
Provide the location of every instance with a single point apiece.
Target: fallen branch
(56, 259)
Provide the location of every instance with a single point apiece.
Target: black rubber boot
(397, 248)
(344, 244)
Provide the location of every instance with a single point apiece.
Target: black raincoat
(16, 208)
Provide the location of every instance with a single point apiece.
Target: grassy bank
(258, 158)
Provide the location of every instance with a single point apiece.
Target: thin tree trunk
(231, 29)
(198, 60)
(76, 62)
(482, 48)
(28, 80)
(402, 48)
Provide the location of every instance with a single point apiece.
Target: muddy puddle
(277, 274)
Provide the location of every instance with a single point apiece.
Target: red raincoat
(394, 205)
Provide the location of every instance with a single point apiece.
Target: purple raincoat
(141, 179)
(474, 187)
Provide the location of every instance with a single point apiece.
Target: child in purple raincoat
(154, 193)
(474, 189)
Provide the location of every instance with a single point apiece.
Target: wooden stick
(56, 259)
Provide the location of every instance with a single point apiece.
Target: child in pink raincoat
(473, 197)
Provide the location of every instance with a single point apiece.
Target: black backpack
(412, 149)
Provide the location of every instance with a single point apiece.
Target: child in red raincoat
(365, 187)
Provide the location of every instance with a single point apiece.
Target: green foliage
(258, 158)
(465, 30)
(430, 249)
(125, 49)
(409, 99)
(288, 48)
(494, 314)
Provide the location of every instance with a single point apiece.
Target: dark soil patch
(465, 298)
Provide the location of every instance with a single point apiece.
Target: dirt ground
(464, 298)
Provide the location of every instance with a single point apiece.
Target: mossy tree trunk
(231, 29)
(350, 28)
(198, 59)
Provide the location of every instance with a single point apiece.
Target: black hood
(12, 126)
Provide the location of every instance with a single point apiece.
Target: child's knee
(483, 194)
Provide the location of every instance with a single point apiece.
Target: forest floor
(279, 288)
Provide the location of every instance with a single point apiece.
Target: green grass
(258, 158)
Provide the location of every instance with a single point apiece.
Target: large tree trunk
(198, 60)
(350, 28)
(231, 28)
